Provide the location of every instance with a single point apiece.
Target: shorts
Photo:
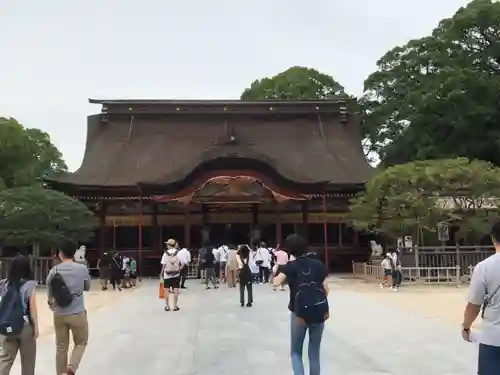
(387, 272)
(174, 283)
(222, 267)
(488, 360)
(104, 273)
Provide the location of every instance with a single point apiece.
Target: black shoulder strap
(494, 292)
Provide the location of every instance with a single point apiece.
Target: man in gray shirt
(73, 317)
(484, 298)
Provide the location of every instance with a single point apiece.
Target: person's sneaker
(167, 308)
(395, 289)
(242, 304)
(381, 286)
(176, 308)
(249, 304)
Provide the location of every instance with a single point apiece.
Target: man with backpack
(306, 277)
(171, 271)
(66, 283)
(484, 299)
(207, 261)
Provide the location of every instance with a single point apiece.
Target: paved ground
(213, 335)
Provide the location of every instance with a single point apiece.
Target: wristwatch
(465, 329)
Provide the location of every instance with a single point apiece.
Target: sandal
(167, 308)
(176, 308)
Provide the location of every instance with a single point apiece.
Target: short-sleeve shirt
(27, 289)
(485, 280)
(291, 271)
(76, 276)
(164, 259)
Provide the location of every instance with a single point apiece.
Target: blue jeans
(298, 334)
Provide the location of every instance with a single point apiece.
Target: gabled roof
(306, 148)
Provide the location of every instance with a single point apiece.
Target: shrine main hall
(223, 171)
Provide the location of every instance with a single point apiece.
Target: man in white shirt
(484, 298)
(263, 260)
(185, 258)
(216, 253)
(223, 252)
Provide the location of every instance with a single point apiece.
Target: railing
(416, 275)
(40, 266)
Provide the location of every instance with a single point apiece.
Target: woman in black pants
(116, 271)
(245, 275)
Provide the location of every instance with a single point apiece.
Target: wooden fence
(40, 266)
(416, 275)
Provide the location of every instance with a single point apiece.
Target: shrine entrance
(230, 233)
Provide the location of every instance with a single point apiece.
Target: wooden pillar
(340, 225)
(187, 228)
(255, 214)
(278, 224)
(139, 239)
(325, 232)
(305, 219)
(102, 227)
(155, 230)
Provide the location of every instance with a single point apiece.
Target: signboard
(443, 231)
(408, 240)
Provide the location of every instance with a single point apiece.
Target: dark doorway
(239, 233)
(218, 234)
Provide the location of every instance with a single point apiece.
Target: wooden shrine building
(227, 171)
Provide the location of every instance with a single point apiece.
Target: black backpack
(310, 301)
(13, 315)
(60, 291)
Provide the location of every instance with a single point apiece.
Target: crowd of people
(117, 270)
(290, 264)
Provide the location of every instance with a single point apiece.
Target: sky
(55, 54)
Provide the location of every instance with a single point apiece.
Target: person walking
(281, 259)
(18, 289)
(231, 266)
(484, 298)
(185, 258)
(263, 261)
(245, 275)
(171, 271)
(308, 304)
(223, 253)
(387, 268)
(66, 285)
(103, 265)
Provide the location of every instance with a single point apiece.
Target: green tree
(30, 215)
(295, 83)
(25, 154)
(406, 198)
(437, 97)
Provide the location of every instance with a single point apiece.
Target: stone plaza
(213, 335)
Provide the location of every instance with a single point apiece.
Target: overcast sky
(55, 54)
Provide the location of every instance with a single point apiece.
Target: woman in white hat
(171, 273)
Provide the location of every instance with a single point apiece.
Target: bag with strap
(13, 314)
(60, 291)
(173, 266)
(310, 301)
(487, 301)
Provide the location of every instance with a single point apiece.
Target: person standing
(223, 253)
(231, 266)
(67, 282)
(171, 271)
(397, 275)
(116, 271)
(484, 298)
(208, 261)
(245, 275)
(263, 260)
(185, 258)
(216, 253)
(19, 285)
(308, 304)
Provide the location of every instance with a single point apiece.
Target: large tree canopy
(405, 198)
(437, 97)
(295, 83)
(31, 215)
(25, 154)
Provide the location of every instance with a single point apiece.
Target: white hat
(171, 242)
